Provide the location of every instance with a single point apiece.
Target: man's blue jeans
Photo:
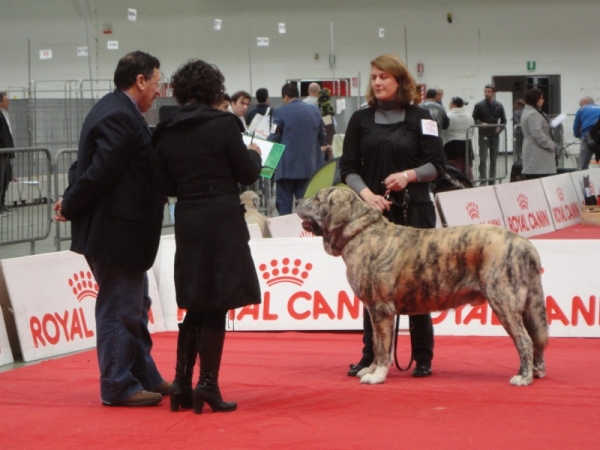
(287, 189)
(123, 341)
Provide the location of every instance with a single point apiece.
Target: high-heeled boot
(181, 390)
(210, 344)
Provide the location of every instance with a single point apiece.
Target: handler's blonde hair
(407, 86)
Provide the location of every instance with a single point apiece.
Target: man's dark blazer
(6, 140)
(112, 201)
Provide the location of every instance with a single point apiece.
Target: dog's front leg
(383, 328)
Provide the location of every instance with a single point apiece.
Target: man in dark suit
(116, 214)
(299, 126)
(6, 141)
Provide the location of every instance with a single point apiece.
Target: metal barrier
(490, 153)
(28, 195)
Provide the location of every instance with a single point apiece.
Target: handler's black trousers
(421, 338)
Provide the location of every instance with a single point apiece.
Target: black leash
(404, 207)
(396, 348)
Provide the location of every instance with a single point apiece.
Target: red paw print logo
(83, 285)
(287, 271)
(305, 233)
(473, 210)
(523, 201)
(561, 194)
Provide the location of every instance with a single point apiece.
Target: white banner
(525, 208)
(6, 356)
(54, 314)
(563, 200)
(470, 206)
(303, 288)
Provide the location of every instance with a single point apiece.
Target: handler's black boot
(421, 340)
(210, 344)
(368, 355)
(181, 389)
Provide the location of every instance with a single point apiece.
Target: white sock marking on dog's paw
(518, 380)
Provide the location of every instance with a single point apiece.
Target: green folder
(271, 154)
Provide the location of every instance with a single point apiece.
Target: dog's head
(337, 214)
(250, 200)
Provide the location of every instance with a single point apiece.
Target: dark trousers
(488, 145)
(421, 338)
(5, 177)
(287, 189)
(123, 342)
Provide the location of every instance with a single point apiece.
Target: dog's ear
(256, 201)
(338, 207)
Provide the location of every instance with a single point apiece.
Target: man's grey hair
(587, 100)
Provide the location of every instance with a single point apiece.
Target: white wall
(486, 38)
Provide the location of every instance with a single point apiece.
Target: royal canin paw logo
(287, 271)
(523, 202)
(473, 210)
(83, 285)
(561, 194)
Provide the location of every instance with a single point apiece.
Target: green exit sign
(530, 65)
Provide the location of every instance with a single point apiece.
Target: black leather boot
(210, 343)
(421, 340)
(181, 390)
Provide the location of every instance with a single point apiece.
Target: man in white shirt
(240, 101)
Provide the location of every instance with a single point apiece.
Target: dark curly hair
(200, 81)
(133, 64)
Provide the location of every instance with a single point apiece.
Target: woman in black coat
(392, 153)
(200, 159)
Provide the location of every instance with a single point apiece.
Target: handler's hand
(58, 216)
(375, 201)
(397, 181)
(254, 147)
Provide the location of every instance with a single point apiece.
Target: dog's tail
(534, 316)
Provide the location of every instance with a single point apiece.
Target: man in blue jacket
(116, 215)
(297, 125)
(587, 115)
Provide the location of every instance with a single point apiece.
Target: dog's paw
(366, 370)
(519, 380)
(377, 377)
(539, 373)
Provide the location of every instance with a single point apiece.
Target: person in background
(328, 115)
(300, 128)
(116, 213)
(200, 159)
(393, 148)
(262, 97)
(439, 96)
(539, 148)
(6, 141)
(517, 131)
(313, 94)
(489, 112)
(437, 111)
(458, 149)
(240, 102)
(587, 115)
(224, 104)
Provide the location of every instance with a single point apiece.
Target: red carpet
(579, 231)
(293, 392)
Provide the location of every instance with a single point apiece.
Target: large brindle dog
(403, 270)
